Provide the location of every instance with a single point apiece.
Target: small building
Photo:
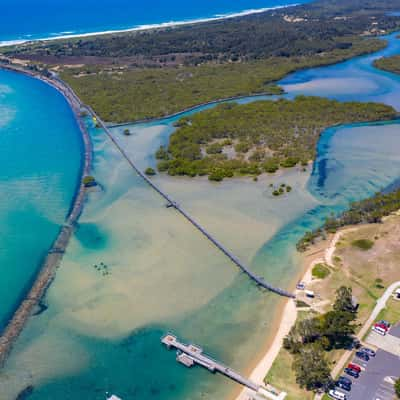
(185, 360)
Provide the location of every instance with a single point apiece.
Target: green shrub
(162, 153)
(242, 147)
(320, 271)
(217, 175)
(363, 244)
(87, 180)
(150, 171)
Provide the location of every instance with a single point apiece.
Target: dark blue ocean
(33, 19)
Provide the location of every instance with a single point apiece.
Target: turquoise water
(101, 333)
(40, 149)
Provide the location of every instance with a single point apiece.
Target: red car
(354, 367)
(382, 326)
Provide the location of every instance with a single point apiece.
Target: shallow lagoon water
(101, 332)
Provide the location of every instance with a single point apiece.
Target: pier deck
(190, 355)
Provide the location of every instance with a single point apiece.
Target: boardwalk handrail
(259, 280)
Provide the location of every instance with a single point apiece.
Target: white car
(335, 394)
(379, 330)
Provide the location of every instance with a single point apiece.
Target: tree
(397, 388)
(311, 368)
(150, 171)
(337, 327)
(89, 181)
(344, 299)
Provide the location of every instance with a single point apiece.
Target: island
(249, 139)
(389, 64)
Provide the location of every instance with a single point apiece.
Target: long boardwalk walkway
(257, 279)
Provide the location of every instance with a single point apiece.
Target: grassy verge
(391, 313)
(282, 376)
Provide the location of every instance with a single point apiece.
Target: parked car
(354, 367)
(301, 286)
(345, 380)
(368, 351)
(382, 326)
(386, 323)
(352, 372)
(379, 330)
(343, 385)
(362, 356)
(335, 394)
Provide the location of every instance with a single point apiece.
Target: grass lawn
(282, 377)
(391, 313)
(320, 271)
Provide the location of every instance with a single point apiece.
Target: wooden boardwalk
(171, 203)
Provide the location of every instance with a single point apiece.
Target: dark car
(368, 351)
(362, 356)
(343, 385)
(352, 372)
(385, 323)
(345, 380)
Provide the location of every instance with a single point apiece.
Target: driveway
(371, 384)
(388, 343)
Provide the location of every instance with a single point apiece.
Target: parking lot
(371, 385)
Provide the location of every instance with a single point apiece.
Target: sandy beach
(323, 254)
(163, 25)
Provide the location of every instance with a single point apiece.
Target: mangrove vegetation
(263, 136)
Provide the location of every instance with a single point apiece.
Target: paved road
(395, 331)
(371, 384)
(389, 343)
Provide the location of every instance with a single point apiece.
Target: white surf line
(145, 27)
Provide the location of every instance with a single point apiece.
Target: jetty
(190, 355)
(171, 203)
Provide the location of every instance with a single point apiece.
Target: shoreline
(148, 27)
(111, 125)
(46, 272)
(286, 316)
